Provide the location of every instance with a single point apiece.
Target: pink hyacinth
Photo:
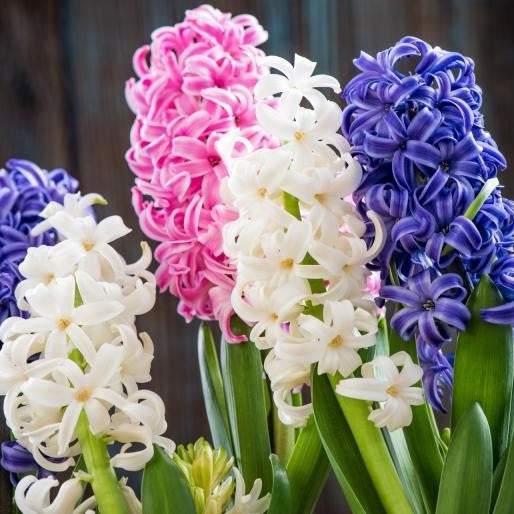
(195, 83)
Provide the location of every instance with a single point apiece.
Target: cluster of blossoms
(213, 489)
(197, 86)
(75, 362)
(297, 242)
(430, 172)
(25, 190)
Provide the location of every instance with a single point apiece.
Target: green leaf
(281, 492)
(307, 469)
(421, 435)
(467, 476)
(505, 500)
(342, 450)
(242, 377)
(164, 488)
(483, 367)
(213, 391)
(406, 471)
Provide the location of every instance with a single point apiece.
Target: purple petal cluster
(17, 460)
(413, 118)
(25, 190)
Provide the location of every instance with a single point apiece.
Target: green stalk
(106, 488)
(375, 454)
(307, 469)
(283, 438)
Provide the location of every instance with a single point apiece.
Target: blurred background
(64, 64)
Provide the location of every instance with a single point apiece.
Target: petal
(98, 416)
(111, 228)
(97, 312)
(369, 389)
(271, 121)
(68, 425)
(47, 393)
(270, 85)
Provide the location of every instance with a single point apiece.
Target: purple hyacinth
(430, 307)
(413, 118)
(25, 190)
(17, 460)
(437, 373)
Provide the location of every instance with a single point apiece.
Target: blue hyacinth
(426, 156)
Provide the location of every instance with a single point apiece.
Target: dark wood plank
(33, 102)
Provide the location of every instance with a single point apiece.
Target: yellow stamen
(298, 135)
(274, 316)
(336, 342)
(48, 278)
(88, 245)
(287, 263)
(63, 324)
(83, 395)
(262, 192)
(392, 390)
(320, 197)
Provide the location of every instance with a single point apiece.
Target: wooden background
(63, 64)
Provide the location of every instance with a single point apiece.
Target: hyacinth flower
(270, 241)
(430, 172)
(71, 369)
(195, 83)
(302, 292)
(25, 190)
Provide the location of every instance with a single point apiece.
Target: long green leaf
(499, 475)
(281, 491)
(505, 500)
(483, 367)
(375, 453)
(213, 391)
(467, 476)
(307, 469)
(406, 471)
(242, 377)
(342, 450)
(164, 488)
(421, 436)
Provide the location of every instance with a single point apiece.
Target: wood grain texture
(64, 64)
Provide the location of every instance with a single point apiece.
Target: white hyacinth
(382, 382)
(298, 242)
(78, 354)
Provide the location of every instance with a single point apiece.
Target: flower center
(403, 145)
(274, 316)
(392, 391)
(262, 191)
(83, 395)
(428, 305)
(63, 324)
(336, 342)
(445, 166)
(88, 245)
(298, 135)
(287, 263)
(387, 107)
(48, 278)
(320, 197)
(214, 160)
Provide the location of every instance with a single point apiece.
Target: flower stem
(375, 454)
(106, 488)
(283, 438)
